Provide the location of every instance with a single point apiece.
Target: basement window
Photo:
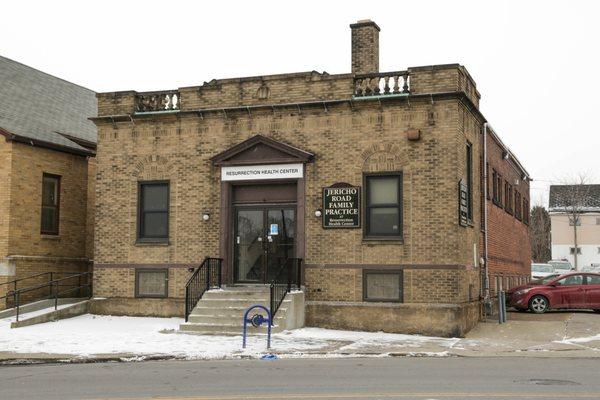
(152, 283)
(382, 285)
(50, 204)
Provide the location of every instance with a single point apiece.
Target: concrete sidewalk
(555, 334)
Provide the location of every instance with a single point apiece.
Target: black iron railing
(205, 277)
(289, 276)
(40, 285)
(76, 282)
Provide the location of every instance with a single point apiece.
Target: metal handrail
(25, 278)
(278, 290)
(54, 290)
(201, 280)
(11, 293)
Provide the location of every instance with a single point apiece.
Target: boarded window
(50, 204)
(382, 285)
(151, 282)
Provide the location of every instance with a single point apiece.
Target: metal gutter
(48, 145)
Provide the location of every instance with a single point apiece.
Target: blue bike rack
(257, 320)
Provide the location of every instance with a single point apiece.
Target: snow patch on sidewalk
(586, 339)
(136, 338)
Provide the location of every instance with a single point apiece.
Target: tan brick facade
(24, 250)
(349, 137)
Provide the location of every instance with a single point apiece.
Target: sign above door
(258, 172)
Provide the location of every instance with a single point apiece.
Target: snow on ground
(89, 335)
(586, 339)
(31, 314)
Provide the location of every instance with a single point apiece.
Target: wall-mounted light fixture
(206, 216)
(318, 213)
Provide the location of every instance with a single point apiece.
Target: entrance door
(264, 237)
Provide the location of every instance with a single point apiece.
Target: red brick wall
(509, 249)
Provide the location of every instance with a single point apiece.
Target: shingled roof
(564, 196)
(44, 110)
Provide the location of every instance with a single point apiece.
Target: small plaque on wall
(341, 206)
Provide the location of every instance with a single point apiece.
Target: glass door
(281, 235)
(249, 252)
(263, 239)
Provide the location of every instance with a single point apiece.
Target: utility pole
(575, 222)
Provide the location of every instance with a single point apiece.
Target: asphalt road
(364, 378)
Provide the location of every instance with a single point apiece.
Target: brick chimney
(365, 47)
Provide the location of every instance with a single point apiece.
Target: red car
(572, 290)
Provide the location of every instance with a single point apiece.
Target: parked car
(539, 270)
(561, 266)
(590, 269)
(572, 290)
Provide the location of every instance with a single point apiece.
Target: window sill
(51, 237)
(151, 243)
(382, 240)
(366, 300)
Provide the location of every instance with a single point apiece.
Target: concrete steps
(221, 312)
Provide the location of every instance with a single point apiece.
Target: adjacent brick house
(47, 146)
(228, 167)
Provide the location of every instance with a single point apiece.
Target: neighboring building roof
(44, 110)
(564, 196)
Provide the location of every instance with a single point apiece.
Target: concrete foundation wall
(448, 320)
(138, 307)
(295, 316)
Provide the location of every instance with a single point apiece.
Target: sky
(536, 63)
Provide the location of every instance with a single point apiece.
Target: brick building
(372, 179)
(508, 243)
(46, 194)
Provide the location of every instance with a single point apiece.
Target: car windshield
(541, 268)
(544, 280)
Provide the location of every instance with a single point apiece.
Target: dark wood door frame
(226, 236)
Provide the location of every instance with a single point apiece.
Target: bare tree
(572, 198)
(539, 228)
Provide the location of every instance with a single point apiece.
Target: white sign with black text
(257, 172)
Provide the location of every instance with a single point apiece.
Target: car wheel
(538, 304)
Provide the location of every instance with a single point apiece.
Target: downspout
(486, 278)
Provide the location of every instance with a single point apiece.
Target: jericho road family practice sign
(341, 207)
(257, 172)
